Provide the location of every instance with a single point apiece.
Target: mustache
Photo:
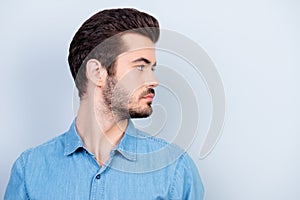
(148, 91)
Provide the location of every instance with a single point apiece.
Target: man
(102, 155)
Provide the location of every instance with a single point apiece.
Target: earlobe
(95, 72)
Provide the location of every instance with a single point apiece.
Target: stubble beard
(118, 101)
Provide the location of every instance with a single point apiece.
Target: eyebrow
(143, 60)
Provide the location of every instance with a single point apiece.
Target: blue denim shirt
(140, 167)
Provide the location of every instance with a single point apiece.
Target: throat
(99, 134)
(101, 161)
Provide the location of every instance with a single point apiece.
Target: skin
(110, 101)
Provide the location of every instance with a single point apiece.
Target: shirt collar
(127, 145)
(72, 140)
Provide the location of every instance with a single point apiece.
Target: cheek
(132, 82)
(135, 96)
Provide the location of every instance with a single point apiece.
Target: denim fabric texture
(141, 167)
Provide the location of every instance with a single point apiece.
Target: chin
(140, 114)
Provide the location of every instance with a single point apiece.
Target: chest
(90, 183)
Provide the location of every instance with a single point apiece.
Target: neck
(98, 129)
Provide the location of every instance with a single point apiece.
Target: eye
(153, 68)
(140, 67)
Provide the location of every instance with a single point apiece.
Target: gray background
(254, 44)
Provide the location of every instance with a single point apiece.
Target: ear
(95, 72)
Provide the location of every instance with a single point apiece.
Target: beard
(119, 101)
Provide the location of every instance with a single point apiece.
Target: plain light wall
(254, 44)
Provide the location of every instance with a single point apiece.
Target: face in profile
(130, 92)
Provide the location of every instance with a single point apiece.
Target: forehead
(137, 46)
(135, 41)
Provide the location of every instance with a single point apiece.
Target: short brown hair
(99, 28)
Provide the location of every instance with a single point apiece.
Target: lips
(149, 96)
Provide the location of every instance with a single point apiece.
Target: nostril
(152, 84)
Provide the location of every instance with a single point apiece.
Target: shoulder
(162, 153)
(35, 158)
(150, 143)
(54, 146)
(186, 183)
(151, 139)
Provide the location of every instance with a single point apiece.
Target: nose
(151, 80)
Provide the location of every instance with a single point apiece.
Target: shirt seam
(145, 136)
(174, 180)
(24, 171)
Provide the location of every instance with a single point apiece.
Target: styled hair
(99, 38)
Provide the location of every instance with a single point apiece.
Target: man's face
(130, 92)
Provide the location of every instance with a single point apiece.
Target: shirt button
(98, 176)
